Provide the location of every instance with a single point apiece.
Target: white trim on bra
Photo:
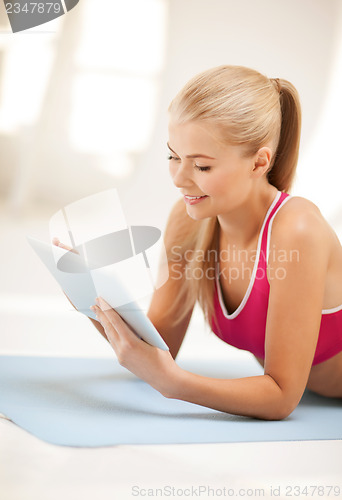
(270, 227)
(255, 267)
(324, 311)
(332, 310)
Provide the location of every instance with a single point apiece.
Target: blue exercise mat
(96, 402)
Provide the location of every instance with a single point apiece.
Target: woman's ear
(262, 160)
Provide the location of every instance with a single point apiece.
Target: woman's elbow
(281, 401)
(281, 409)
(279, 414)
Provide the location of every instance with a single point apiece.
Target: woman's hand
(151, 364)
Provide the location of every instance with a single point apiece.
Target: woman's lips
(193, 200)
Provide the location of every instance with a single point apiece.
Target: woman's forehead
(196, 137)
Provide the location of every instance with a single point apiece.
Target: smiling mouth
(193, 200)
(194, 197)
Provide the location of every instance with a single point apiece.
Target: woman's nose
(180, 176)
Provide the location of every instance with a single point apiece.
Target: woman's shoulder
(299, 212)
(300, 218)
(300, 227)
(300, 203)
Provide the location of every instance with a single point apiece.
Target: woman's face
(201, 166)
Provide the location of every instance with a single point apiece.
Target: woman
(265, 266)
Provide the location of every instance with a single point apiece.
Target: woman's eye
(202, 169)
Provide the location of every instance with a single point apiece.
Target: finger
(117, 321)
(103, 304)
(110, 330)
(57, 243)
(111, 314)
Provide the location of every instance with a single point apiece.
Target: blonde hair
(252, 111)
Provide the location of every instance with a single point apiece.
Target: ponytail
(285, 160)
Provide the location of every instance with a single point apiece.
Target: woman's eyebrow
(197, 155)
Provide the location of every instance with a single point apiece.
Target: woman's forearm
(259, 396)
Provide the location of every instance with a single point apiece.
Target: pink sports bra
(245, 327)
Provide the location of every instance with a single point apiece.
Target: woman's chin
(197, 214)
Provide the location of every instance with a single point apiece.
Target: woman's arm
(293, 321)
(253, 396)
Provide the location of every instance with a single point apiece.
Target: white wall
(294, 40)
(299, 41)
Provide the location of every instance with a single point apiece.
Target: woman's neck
(243, 226)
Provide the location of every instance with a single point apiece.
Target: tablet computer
(82, 291)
